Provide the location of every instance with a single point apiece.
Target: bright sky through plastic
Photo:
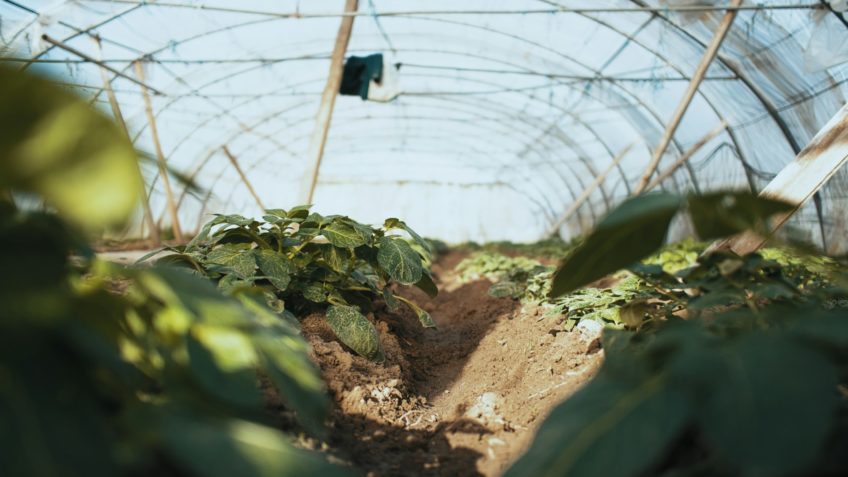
(504, 119)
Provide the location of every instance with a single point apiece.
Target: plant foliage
(304, 261)
(106, 370)
(738, 367)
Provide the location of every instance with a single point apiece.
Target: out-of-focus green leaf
(354, 330)
(770, 407)
(722, 214)
(611, 428)
(225, 448)
(54, 144)
(632, 231)
(223, 360)
(400, 261)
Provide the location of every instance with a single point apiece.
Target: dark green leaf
(631, 232)
(400, 261)
(276, 267)
(610, 428)
(354, 330)
(222, 362)
(722, 214)
(237, 258)
(427, 285)
(771, 406)
(225, 448)
(343, 235)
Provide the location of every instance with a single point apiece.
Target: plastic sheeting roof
(509, 109)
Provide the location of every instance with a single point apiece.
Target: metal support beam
(800, 179)
(153, 230)
(584, 196)
(328, 101)
(697, 78)
(687, 155)
(160, 156)
(241, 174)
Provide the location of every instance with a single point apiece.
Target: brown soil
(462, 399)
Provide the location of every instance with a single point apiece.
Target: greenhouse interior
(424, 238)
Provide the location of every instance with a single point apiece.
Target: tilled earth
(462, 399)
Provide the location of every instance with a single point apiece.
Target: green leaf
(632, 231)
(224, 448)
(610, 428)
(722, 214)
(236, 257)
(276, 266)
(771, 405)
(427, 285)
(354, 330)
(339, 259)
(222, 361)
(400, 261)
(506, 288)
(343, 235)
(56, 145)
(423, 317)
(393, 223)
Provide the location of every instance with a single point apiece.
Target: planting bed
(462, 399)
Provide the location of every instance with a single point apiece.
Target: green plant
(751, 383)
(303, 261)
(106, 370)
(509, 275)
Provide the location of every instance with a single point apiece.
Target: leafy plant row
(304, 261)
(749, 380)
(106, 370)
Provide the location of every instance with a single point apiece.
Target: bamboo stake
(235, 163)
(584, 196)
(694, 84)
(160, 156)
(687, 155)
(328, 101)
(153, 229)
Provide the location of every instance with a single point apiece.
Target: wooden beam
(241, 174)
(152, 228)
(694, 84)
(584, 196)
(687, 155)
(800, 179)
(328, 101)
(160, 156)
(99, 63)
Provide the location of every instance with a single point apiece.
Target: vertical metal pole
(153, 230)
(328, 101)
(160, 156)
(235, 164)
(694, 84)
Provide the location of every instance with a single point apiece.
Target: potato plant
(304, 261)
(750, 380)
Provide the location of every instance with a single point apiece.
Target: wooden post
(694, 84)
(800, 179)
(686, 156)
(328, 101)
(235, 164)
(160, 156)
(153, 230)
(554, 228)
